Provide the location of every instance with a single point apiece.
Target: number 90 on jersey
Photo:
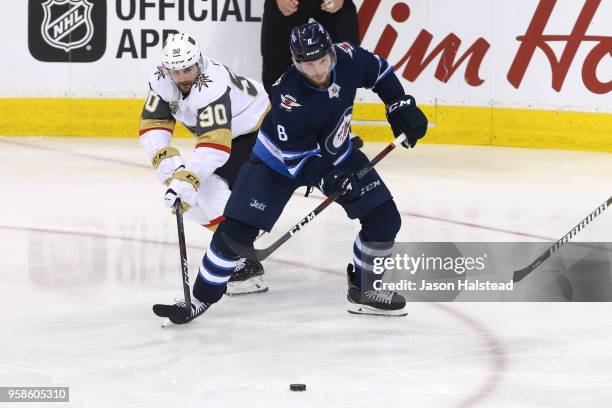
(213, 115)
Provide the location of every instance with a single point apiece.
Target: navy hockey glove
(341, 180)
(404, 116)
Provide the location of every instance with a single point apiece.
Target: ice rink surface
(88, 247)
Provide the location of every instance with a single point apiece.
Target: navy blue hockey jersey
(307, 123)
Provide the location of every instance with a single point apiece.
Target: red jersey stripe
(215, 221)
(225, 149)
(142, 132)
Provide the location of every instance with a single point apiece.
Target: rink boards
(448, 124)
(530, 73)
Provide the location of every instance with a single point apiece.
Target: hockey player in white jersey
(223, 111)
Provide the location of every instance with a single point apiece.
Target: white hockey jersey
(220, 106)
(218, 99)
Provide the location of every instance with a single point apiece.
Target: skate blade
(250, 286)
(167, 322)
(355, 308)
(254, 292)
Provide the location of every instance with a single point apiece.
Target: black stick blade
(247, 252)
(521, 273)
(174, 311)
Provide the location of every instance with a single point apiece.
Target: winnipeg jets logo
(67, 24)
(336, 139)
(258, 205)
(346, 47)
(202, 81)
(288, 102)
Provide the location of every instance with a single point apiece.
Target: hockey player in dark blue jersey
(304, 141)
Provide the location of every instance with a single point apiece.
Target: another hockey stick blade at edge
(522, 273)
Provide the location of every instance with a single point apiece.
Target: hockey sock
(215, 271)
(374, 243)
(220, 261)
(368, 258)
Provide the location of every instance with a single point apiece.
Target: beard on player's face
(186, 77)
(318, 71)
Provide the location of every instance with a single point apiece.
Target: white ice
(88, 247)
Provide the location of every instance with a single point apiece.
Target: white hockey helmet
(181, 51)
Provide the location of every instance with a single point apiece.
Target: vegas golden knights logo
(174, 105)
(67, 24)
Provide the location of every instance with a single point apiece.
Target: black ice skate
(247, 279)
(374, 302)
(177, 314)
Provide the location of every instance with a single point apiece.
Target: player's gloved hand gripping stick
(261, 254)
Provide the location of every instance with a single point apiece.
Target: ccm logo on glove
(399, 104)
(404, 116)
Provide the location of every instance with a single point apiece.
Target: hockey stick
(183, 251)
(521, 273)
(261, 254)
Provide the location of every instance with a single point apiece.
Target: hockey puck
(297, 387)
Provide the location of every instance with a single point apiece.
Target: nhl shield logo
(67, 24)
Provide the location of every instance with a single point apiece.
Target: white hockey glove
(184, 185)
(166, 162)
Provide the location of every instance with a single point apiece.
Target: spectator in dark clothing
(280, 16)
(338, 17)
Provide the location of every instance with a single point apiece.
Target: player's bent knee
(382, 223)
(238, 231)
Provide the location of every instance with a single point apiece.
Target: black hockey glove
(341, 180)
(404, 116)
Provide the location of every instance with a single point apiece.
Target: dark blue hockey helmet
(310, 42)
